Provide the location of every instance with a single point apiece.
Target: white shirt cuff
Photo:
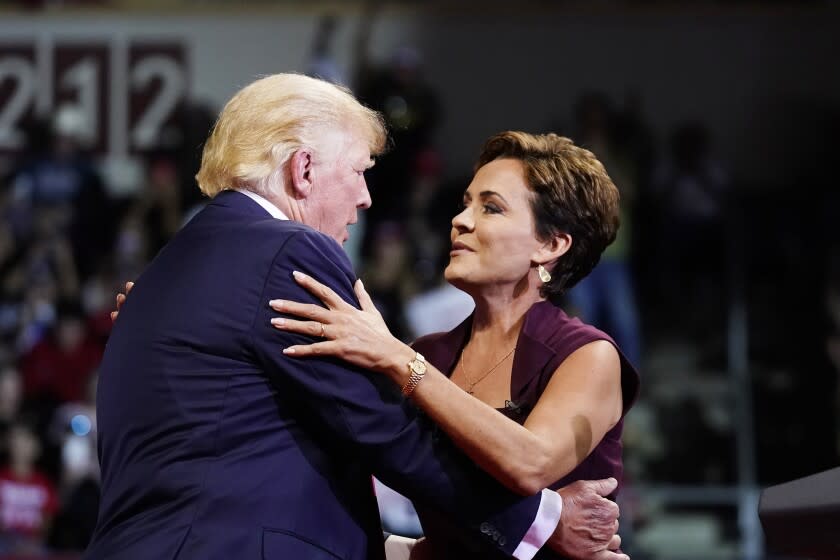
(398, 548)
(548, 516)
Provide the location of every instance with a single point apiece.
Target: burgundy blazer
(548, 337)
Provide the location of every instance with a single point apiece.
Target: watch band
(418, 370)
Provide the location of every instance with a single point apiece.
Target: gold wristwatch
(418, 370)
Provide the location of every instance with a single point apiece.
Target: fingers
(603, 487)
(304, 310)
(604, 517)
(328, 348)
(120, 300)
(311, 328)
(609, 555)
(612, 509)
(322, 292)
(128, 286)
(615, 542)
(364, 298)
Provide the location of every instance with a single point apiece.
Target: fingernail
(289, 350)
(362, 284)
(276, 303)
(298, 275)
(278, 321)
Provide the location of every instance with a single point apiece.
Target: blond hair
(572, 193)
(267, 121)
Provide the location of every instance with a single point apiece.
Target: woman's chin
(450, 273)
(452, 276)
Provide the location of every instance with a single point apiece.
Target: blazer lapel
(532, 355)
(444, 350)
(531, 359)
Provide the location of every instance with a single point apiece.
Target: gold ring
(323, 331)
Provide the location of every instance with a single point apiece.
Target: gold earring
(545, 276)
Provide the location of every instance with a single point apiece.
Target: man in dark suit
(212, 443)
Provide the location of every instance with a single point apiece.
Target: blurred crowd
(72, 233)
(67, 240)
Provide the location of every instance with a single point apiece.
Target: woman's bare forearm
(511, 453)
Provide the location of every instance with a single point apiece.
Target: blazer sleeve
(361, 412)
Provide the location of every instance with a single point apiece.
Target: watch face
(418, 364)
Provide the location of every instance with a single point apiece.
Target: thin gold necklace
(471, 384)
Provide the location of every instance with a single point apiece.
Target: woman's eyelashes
(487, 207)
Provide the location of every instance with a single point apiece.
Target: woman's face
(493, 238)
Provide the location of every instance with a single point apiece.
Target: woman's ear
(300, 171)
(552, 249)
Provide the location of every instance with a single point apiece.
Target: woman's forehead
(503, 176)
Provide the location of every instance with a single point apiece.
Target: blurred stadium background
(718, 121)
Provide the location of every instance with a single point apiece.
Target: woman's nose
(463, 220)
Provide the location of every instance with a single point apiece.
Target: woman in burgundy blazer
(536, 218)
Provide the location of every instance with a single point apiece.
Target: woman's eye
(491, 209)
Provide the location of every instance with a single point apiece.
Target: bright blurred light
(80, 424)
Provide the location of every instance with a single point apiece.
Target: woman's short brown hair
(572, 194)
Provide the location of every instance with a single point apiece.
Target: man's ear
(300, 171)
(552, 249)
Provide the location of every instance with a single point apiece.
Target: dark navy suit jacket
(215, 445)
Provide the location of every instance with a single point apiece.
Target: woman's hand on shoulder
(359, 336)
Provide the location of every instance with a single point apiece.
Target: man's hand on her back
(121, 299)
(588, 523)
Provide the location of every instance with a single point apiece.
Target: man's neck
(269, 204)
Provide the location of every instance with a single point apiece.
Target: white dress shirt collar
(262, 201)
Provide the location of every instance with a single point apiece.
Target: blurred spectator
(429, 241)
(73, 431)
(28, 499)
(131, 252)
(160, 207)
(195, 119)
(437, 306)
(412, 112)
(606, 297)
(693, 189)
(632, 135)
(12, 284)
(50, 257)
(321, 62)
(60, 178)
(388, 278)
(11, 393)
(97, 301)
(59, 367)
